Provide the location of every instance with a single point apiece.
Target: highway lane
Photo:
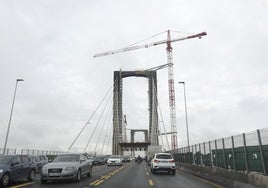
(97, 173)
(130, 175)
(139, 175)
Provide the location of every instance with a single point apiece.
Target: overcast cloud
(51, 43)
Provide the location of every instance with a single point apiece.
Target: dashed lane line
(105, 177)
(151, 183)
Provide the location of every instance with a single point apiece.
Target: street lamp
(186, 118)
(9, 122)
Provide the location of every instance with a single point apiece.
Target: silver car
(66, 167)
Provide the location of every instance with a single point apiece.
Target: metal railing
(245, 152)
(30, 152)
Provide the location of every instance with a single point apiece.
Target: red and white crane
(172, 106)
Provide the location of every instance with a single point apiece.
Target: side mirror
(14, 163)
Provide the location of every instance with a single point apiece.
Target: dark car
(39, 160)
(14, 167)
(99, 160)
(126, 159)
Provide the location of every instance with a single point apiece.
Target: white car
(114, 160)
(163, 162)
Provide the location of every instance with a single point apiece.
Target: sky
(51, 43)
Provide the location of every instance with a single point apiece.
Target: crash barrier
(245, 152)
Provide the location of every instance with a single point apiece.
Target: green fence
(245, 152)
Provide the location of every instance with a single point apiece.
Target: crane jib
(199, 35)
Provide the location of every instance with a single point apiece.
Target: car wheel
(43, 181)
(5, 180)
(173, 172)
(89, 172)
(31, 175)
(153, 171)
(78, 176)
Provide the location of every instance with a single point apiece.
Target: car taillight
(156, 161)
(172, 161)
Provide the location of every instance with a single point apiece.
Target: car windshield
(115, 157)
(5, 159)
(67, 158)
(162, 156)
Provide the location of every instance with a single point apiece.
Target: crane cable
(146, 39)
(180, 32)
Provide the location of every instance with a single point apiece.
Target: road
(130, 175)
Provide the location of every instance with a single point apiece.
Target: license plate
(54, 174)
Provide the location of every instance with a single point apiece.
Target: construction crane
(172, 106)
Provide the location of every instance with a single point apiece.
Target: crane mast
(172, 106)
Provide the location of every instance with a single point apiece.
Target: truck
(152, 150)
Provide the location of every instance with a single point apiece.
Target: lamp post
(9, 122)
(186, 118)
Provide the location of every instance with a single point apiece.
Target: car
(66, 167)
(163, 162)
(114, 160)
(99, 160)
(39, 160)
(13, 167)
(126, 159)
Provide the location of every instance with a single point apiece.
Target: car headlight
(44, 168)
(1, 170)
(70, 168)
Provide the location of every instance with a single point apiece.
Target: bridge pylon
(118, 111)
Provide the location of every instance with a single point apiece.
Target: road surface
(129, 175)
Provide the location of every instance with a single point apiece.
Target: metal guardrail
(30, 152)
(245, 152)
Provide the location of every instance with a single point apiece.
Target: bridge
(239, 160)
